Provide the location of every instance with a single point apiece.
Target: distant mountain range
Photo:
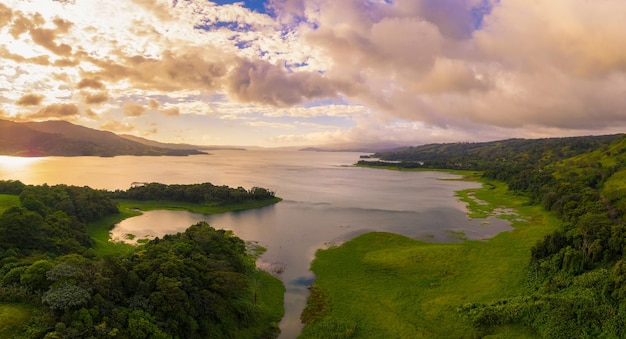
(61, 138)
(354, 147)
(178, 146)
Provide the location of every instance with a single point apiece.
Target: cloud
(46, 37)
(96, 98)
(318, 111)
(22, 24)
(117, 126)
(173, 71)
(153, 104)
(30, 100)
(149, 132)
(90, 83)
(171, 111)
(161, 11)
(435, 68)
(261, 82)
(459, 64)
(131, 109)
(42, 60)
(578, 37)
(277, 125)
(65, 111)
(6, 15)
(91, 113)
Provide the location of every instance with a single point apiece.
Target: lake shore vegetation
(382, 285)
(60, 276)
(563, 263)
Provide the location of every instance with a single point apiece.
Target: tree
(35, 275)
(23, 229)
(65, 296)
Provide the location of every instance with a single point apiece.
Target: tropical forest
(61, 277)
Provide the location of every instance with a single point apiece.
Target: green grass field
(12, 317)
(7, 201)
(382, 285)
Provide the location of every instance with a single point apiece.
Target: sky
(317, 72)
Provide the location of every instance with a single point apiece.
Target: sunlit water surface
(326, 201)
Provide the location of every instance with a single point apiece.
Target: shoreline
(99, 230)
(422, 281)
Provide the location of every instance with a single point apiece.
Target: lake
(326, 201)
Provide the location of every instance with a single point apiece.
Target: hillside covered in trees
(196, 284)
(61, 138)
(577, 274)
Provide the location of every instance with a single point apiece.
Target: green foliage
(267, 295)
(83, 203)
(575, 281)
(497, 156)
(22, 320)
(205, 193)
(200, 283)
(382, 285)
(65, 296)
(7, 201)
(11, 317)
(35, 276)
(142, 325)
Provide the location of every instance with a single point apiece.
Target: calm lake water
(326, 201)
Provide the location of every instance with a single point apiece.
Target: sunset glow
(16, 164)
(295, 72)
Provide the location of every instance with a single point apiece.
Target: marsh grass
(269, 292)
(99, 232)
(382, 285)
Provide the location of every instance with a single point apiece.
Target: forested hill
(61, 138)
(577, 274)
(512, 151)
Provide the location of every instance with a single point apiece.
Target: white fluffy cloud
(385, 70)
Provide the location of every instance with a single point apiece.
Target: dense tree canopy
(205, 193)
(194, 284)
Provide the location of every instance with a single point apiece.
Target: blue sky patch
(255, 5)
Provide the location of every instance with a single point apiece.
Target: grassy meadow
(382, 285)
(8, 201)
(13, 316)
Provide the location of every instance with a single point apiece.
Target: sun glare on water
(17, 163)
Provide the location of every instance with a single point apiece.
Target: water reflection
(9, 165)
